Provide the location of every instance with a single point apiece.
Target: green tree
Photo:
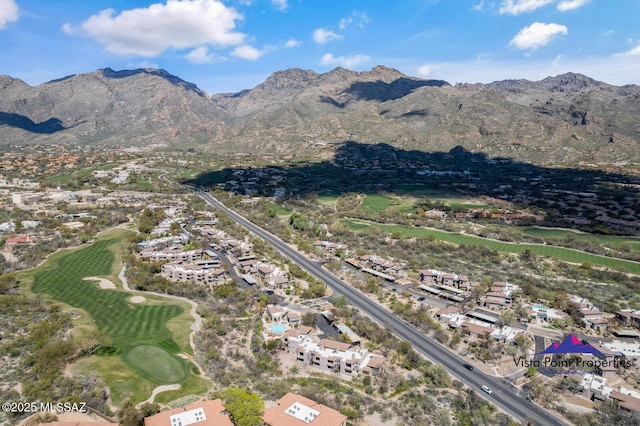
(130, 416)
(245, 408)
(7, 282)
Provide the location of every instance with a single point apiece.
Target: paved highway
(504, 394)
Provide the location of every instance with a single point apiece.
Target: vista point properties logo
(548, 364)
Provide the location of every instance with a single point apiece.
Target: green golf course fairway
(561, 253)
(156, 364)
(127, 324)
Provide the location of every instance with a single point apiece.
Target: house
(627, 401)
(301, 331)
(475, 330)
(373, 365)
(446, 314)
(629, 351)
(329, 246)
(629, 317)
(275, 312)
(506, 333)
(21, 239)
(495, 302)
(293, 318)
(204, 413)
(279, 280)
(593, 318)
(296, 410)
(599, 324)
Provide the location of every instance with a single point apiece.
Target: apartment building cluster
(227, 243)
(378, 267)
(591, 315)
(194, 266)
(330, 355)
(477, 323)
(445, 285)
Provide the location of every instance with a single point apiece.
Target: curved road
(504, 394)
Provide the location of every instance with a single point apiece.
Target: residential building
(202, 272)
(627, 400)
(331, 355)
(629, 317)
(296, 410)
(204, 413)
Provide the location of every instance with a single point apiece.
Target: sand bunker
(106, 284)
(137, 299)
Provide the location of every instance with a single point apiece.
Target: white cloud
(200, 55)
(567, 5)
(479, 7)
(425, 71)
(359, 19)
(345, 61)
(143, 64)
(280, 4)
(178, 24)
(537, 35)
(633, 52)
(247, 52)
(516, 7)
(292, 43)
(68, 29)
(323, 36)
(344, 22)
(8, 12)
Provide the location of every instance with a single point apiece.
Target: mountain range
(559, 120)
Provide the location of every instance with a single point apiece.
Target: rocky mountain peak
(176, 81)
(571, 82)
(290, 78)
(386, 73)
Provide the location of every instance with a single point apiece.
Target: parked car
(487, 389)
(468, 366)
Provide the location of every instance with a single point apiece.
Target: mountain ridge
(568, 115)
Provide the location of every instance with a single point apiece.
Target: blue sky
(230, 45)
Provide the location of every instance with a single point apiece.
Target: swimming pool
(539, 307)
(278, 328)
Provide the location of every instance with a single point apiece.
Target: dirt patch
(104, 283)
(137, 299)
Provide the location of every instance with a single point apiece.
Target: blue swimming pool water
(278, 328)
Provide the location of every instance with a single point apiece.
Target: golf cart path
(157, 390)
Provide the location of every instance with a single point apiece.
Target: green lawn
(156, 364)
(328, 196)
(149, 334)
(568, 255)
(280, 211)
(125, 323)
(374, 203)
(606, 240)
(62, 178)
